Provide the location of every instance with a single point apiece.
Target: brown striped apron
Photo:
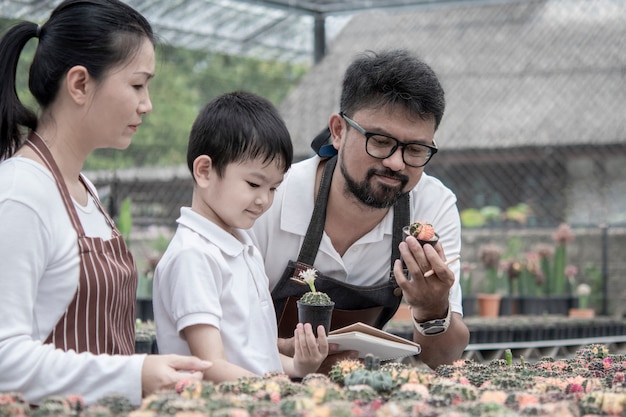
(101, 317)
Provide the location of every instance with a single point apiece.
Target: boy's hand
(309, 352)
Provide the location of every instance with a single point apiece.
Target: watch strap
(433, 327)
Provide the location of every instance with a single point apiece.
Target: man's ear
(202, 170)
(337, 130)
(79, 83)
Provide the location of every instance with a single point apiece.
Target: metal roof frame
(283, 30)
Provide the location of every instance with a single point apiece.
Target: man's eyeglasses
(381, 146)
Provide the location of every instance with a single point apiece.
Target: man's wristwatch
(432, 327)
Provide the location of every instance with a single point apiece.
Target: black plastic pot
(316, 315)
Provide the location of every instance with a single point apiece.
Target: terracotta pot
(316, 315)
(489, 304)
(582, 312)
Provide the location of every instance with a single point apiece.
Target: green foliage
(528, 284)
(508, 356)
(466, 278)
(492, 214)
(185, 81)
(125, 219)
(518, 214)
(514, 247)
(559, 283)
(594, 276)
(472, 218)
(492, 283)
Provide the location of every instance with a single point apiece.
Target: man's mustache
(388, 173)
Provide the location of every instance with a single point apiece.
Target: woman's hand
(164, 371)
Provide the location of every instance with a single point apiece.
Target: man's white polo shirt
(279, 232)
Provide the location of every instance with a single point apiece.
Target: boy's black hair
(239, 126)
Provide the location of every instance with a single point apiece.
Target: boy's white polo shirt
(208, 276)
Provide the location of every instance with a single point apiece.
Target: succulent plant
(371, 375)
(195, 389)
(313, 297)
(53, 406)
(316, 298)
(422, 231)
(342, 368)
(13, 404)
(117, 403)
(360, 392)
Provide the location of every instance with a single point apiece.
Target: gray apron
(374, 305)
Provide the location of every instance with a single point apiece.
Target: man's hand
(427, 297)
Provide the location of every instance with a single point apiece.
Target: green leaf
(125, 220)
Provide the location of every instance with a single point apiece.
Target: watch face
(433, 330)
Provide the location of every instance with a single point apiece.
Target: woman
(68, 282)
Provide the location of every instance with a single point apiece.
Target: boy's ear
(202, 170)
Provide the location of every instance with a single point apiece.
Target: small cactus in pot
(422, 231)
(314, 306)
(313, 297)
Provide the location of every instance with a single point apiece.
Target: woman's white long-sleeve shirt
(39, 270)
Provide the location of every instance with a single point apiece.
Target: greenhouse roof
(283, 30)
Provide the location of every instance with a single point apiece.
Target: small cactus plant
(422, 231)
(314, 307)
(370, 375)
(313, 297)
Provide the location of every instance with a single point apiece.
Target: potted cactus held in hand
(422, 231)
(314, 306)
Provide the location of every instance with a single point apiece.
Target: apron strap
(313, 236)
(37, 144)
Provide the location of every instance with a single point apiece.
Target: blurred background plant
(593, 276)
(542, 271)
(466, 279)
(490, 256)
(125, 220)
(558, 283)
(583, 291)
(531, 277)
(493, 216)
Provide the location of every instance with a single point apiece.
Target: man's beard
(383, 198)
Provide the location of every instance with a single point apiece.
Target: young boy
(211, 295)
